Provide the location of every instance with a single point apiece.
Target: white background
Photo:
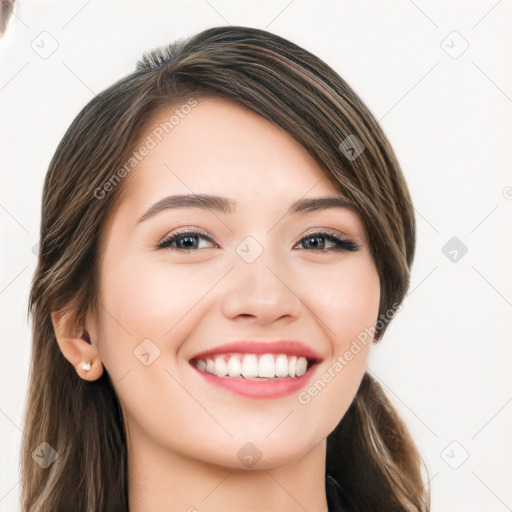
(446, 358)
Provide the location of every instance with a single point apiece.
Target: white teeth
(221, 368)
(281, 366)
(210, 366)
(234, 367)
(301, 366)
(266, 366)
(293, 365)
(252, 366)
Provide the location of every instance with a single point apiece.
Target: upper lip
(288, 347)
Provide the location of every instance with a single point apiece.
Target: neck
(164, 481)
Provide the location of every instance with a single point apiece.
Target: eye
(185, 240)
(190, 241)
(317, 241)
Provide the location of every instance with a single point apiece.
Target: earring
(86, 366)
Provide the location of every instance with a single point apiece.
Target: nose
(262, 291)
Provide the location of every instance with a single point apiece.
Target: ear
(75, 345)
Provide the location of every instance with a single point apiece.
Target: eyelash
(341, 244)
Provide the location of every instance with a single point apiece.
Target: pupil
(188, 240)
(315, 238)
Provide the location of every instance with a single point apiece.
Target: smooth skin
(183, 433)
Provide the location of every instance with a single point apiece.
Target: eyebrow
(226, 205)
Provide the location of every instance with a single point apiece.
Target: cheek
(348, 305)
(347, 300)
(147, 299)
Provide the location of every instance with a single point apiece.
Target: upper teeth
(251, 366)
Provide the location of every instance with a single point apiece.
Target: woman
(225, 232)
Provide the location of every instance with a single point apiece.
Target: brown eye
(185, 241)
(317, 242)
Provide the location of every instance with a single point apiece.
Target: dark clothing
(337, 498)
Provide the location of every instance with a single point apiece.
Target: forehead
(221, 147)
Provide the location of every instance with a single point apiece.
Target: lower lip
(259, 388)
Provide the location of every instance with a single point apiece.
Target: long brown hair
(370, 453)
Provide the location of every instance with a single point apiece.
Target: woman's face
(254, 275)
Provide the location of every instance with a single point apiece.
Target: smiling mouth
(254, 366)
